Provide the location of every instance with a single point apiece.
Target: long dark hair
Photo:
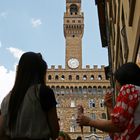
(128, 73)
(31, 70)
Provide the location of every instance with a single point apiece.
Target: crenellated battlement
(87, 67)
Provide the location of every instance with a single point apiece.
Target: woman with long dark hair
(124, 122)
(29, 110)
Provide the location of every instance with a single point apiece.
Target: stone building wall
(70, 91)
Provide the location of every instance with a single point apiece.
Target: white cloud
(36, 22)
(15, 51)
(7, 79)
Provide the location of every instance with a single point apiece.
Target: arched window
(73, 9)
(94, 90)
(99, 77)
(79, 21)
(90, 89)
(67, 90)
(103, 116)
(70, 77)
(62, 90)
(92, 77)
(72, 104)
(56, 77)
(100, 90)
(84, 77)
(75, 90)
(91, 103)
(104, 89)
(80, 90)
(49, 77)
(62, 77)
(77, 77)
(84, 89)
(73, 21)
(102, 103)
(71, 89)
(57, 89)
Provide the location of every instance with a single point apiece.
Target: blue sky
(37, 25)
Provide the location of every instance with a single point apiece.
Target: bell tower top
(73, 7)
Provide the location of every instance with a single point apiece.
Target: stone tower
(73, 32)
(74, 85)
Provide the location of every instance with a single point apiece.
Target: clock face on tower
(73, 63)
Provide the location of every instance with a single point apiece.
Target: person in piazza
(124, 121)
(28, 111)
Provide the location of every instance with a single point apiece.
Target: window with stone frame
(91, 103)
(72, 104)
(102, 103)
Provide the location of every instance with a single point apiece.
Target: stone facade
(74, 85)
(122, 25)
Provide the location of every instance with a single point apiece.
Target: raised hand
(83, 120)
(108, 99)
